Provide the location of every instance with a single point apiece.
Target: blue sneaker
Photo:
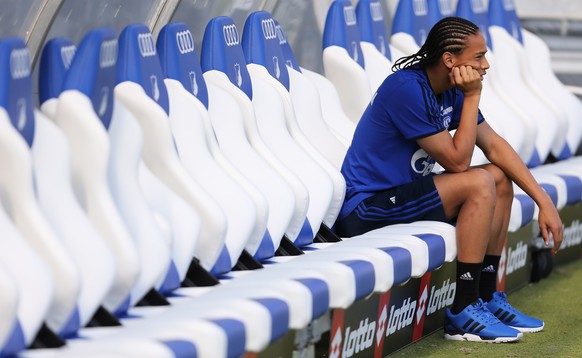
(512, 317)
(476, 324)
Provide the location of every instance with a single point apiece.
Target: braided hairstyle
(447, 35)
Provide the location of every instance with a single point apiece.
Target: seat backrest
(30, 290)
(502, 13)
(334, 116)
(8, 307)
(143, 99)
(343, 59)
(410, 18)
(372, 26)
(514, 70)
(55, 59)
(374, 44)
(246, 227)
(439, 9)
(261, 45)
(308, 107)
(52, 166)
(25, 211)
(83, 106)
(536, 65)
(225, 70)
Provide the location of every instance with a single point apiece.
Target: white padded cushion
(9, 303)
(153, 248)
(308, 113)
(33, 281)
(378, 66)
(538, 59)
(28, 218)
(270, 118)
(51, 160)
(507, 74)
(333, 114)
(232, 117)
(245, 227)
(90, 155)
(161, 158)
(349, 79)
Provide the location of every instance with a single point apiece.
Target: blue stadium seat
(343, 59)
(374, 42)
(80, 108)
(281, 133)
(537, 60)
(55, 59)
(512, 74)
(20, 158)
(244, 206)
(331, 110)
(410, 25)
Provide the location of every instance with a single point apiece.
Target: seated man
(389, 176)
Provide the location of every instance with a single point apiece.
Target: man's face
(473, 55)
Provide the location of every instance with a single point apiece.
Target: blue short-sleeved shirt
(384, 152)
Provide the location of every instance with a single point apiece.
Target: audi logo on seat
(230, 35)
(508, 5)
(67, 54)
(376, 11)
(20, 63)
(185, 42)
(350, 15)
(281, 35)
(108, 54)
(147, 47)
(419, 7)
(478, 6)
(269, 31)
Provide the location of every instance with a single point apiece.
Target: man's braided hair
(447, 35)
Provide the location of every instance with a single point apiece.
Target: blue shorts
(415, 201)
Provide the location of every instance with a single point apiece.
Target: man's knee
(483, 184)
(503, 185)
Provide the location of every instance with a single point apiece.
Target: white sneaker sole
(528, 330)
(468, 337)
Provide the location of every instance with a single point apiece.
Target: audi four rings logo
(478, 6)
(446, 7)
(230, 35)
(67, 54)
(269, 31)
(350, 15)
(147, 47)
(376, 11)
(281, 35)
(185, 42)
(20, 63)
(108, 54)
(508, 5)
(420, 8)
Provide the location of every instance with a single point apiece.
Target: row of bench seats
(159, 205)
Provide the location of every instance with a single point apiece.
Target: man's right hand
(467, 79)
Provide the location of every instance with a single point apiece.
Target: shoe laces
(484, 314)
(502, 300)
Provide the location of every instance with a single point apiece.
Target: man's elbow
(457, 167)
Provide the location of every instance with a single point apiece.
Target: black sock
(488, 284)
(468, 275)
